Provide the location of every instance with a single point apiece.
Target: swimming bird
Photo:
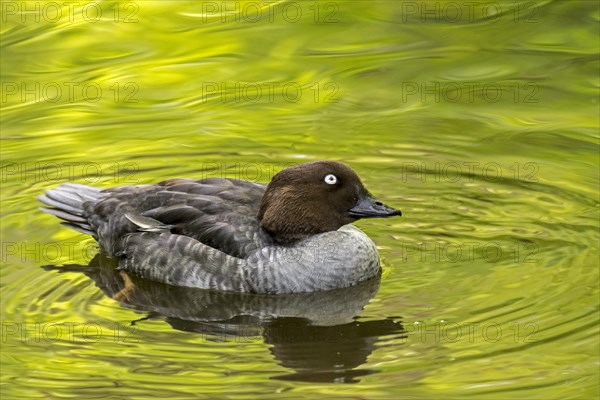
(293, 235)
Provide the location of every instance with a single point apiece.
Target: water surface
(480, 124)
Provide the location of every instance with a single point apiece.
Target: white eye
(330, 179)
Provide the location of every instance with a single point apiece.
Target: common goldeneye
(290, 236)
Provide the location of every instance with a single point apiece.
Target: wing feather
(219, 213)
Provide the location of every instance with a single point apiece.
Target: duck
(293, 235)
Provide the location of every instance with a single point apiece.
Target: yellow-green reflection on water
(482, 127)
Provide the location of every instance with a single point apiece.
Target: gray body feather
(206, 234)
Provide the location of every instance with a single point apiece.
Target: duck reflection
(314, 334)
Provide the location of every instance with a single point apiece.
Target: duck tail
(67, 203)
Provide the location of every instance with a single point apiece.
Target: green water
(478, 120)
